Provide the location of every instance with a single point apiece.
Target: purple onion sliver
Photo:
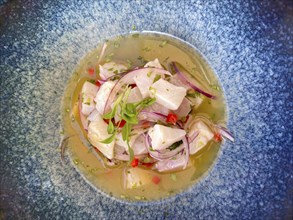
(184, 80)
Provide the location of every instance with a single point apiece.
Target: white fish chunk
(97, 131)
(204, 136)
(102, 95)
(136, 177)
(88, 92)
(110, 69)
(167, 94)
(163, 136)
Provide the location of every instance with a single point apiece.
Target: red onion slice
(225, 133)
(185, 81)
(128, 78)
(163, 154)
(192, 137)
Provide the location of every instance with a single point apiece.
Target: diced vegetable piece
(110, 69)
(134, 162)
(163, 136)
(134, 96)
(136, 177)
(156, 179)
(172, 118)
(183, 109)
(171, 164)
(204, 136)
(155, 63)
(167, 94)
(102, 95)
(97, 132)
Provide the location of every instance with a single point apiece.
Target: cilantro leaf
(110, 127)
(109, 139)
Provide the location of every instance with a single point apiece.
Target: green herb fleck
(175, 145)
(110, 127)
(149, 73)
(76, 161)
(215, 87)
(129, 63)
(133, 27)
(109, 139)
(67, 110)
(193, 94)
(163, 43)
(173, 176)
(152, 90)
(116, 44)
(111, 69)
(157, 77)
(146, 49)
(91, 81)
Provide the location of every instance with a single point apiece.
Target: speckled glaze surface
(249, 45)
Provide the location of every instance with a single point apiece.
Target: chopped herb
(61, 132)
(163, 43)
(116, 44)
(109, 139)
(92, 81)
(111, 69)
(116, 72)
(175, 145)
(152, 90)
(146, 49)
(110, 127)
(129, 63)
(151, 148)
(149, 73)
(157, 77)
(193, 94)
(135, 35)
(213, 117)
(133, 27)
(173, 176)
(67, 110)
(76, 161)
(110, 55)
(215, 87)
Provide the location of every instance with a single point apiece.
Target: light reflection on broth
(134, 49)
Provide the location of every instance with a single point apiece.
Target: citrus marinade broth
(135, 50)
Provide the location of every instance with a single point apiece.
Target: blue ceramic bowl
(248, 44)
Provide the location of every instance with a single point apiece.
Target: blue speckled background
(248, 43)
